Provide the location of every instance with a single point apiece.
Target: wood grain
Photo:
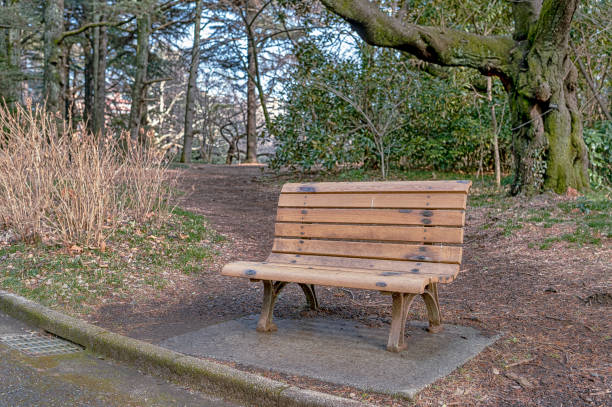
(373, 216)
(369, 232)
(438, 200)
(446, 271)
(389, 186)
(328, 277)
(387, 251)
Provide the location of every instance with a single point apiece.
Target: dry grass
(63, 185)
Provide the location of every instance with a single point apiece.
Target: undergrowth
(60, 184)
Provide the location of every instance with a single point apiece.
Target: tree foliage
(320, 128)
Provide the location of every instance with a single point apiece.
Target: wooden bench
(399, 238)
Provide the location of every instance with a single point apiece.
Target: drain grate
(35, 344)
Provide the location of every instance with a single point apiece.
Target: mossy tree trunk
(533, 65)
(549, 151)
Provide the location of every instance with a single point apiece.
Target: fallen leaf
(76, 249)
(526, 384)
(571, 192)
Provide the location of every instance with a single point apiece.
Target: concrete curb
(210, 377)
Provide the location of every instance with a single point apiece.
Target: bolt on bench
(400, 238)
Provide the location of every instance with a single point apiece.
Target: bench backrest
(370, 224)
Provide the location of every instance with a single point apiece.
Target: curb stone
(205, 375)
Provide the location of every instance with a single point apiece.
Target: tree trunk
(143, 29)
(66, 92)
(14, 59)
(547, 126)
(52, 75)
(100, 83)
(10, 66)
(495, 132)
(95, 64)
(251, 125)
(231, 151)
(88, 84)
(192, 88)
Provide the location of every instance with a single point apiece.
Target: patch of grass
(595, 201)
(544, 217)
(581, 236)
(511, 225)
(548, 242)
(592, 217)
(136, 257)
(488, 199)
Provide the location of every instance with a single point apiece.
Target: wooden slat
(438, 200)
(390, 186)
(369, 232)
(445, 271)
(330, 277)
(388, 251)
(373, 216)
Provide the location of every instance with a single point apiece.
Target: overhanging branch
(447, 47)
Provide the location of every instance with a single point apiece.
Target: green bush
(445, 125)
(599, 142)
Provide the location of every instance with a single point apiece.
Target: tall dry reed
(63, 185)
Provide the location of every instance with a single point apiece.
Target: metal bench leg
(271, 291)
(311, 295)
(399, 313)
(430, 296)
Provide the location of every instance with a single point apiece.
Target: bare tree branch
(589, 81)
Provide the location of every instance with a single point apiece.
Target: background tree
(192, 84)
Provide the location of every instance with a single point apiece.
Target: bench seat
(401, 238)
(413, 279)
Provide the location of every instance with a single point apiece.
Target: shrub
(599, 142)
(63, 185)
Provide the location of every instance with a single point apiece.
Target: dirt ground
(553, 306)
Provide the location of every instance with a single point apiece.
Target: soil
(553, 306)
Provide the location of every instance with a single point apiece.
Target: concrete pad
(338, 351)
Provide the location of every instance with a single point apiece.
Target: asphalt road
(82, 379)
